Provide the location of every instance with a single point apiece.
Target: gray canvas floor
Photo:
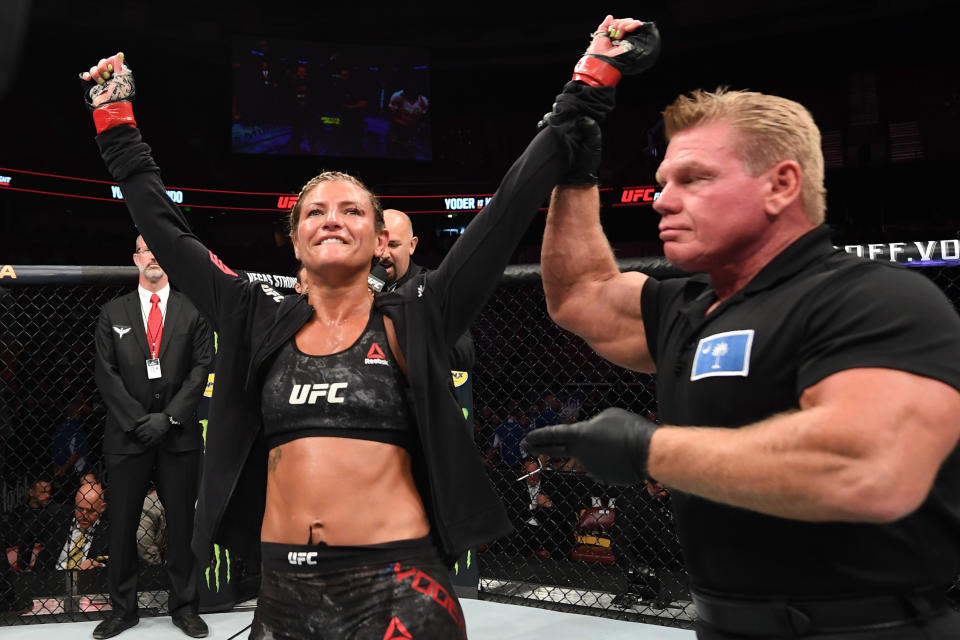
(485, 621)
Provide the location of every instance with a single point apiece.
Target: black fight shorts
(393, 591)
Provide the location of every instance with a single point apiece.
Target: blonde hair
(769, 129)
(335, 176)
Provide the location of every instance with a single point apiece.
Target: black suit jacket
(121, 372)
(99, 545)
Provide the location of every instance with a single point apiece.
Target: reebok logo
(396, 631)
(309, 393)
(299, 558)
(375, 355)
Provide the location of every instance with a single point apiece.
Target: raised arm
(194, 269)
(585, 291)
(566, 151)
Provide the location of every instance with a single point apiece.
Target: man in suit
(72, 538)
(56, 538)
(81, 542)
(153, 356)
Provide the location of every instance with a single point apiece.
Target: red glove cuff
(595, 72)
(112, 114)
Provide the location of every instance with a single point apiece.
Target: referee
(811, 397)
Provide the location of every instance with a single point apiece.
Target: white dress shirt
(146, 305)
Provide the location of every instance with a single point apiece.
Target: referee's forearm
(773, 467)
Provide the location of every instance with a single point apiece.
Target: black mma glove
(576, 114)
(589, 96)
(641, 49)
(108, 92)
(612, 446)
(151, 428)
(591, 91)
(587, 150)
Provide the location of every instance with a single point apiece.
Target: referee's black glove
(151, 428)
(586, 154)
(612, 446)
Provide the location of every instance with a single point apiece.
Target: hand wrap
(117, 109)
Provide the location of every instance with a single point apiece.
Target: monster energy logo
(216, 567)
(456, 565)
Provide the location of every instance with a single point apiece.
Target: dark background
(881, 79)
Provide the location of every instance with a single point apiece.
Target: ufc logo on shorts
(309, 393)
(302, 557)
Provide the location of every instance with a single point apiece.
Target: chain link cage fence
(577, 546)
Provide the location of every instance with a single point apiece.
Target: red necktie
(154, 326)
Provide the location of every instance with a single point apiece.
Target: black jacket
(60, 535)
(463, 355)
(121, 372)
(430, 313)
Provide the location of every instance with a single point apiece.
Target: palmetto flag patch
(723, 354)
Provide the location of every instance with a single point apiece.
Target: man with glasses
(153, 356)
(85, 544)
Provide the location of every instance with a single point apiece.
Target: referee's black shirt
(811, 312)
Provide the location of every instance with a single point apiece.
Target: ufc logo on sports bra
(310, 393)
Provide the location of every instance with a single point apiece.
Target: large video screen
(294, 97)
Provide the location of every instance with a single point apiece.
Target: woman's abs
(341, 491)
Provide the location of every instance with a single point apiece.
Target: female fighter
(335, 433)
